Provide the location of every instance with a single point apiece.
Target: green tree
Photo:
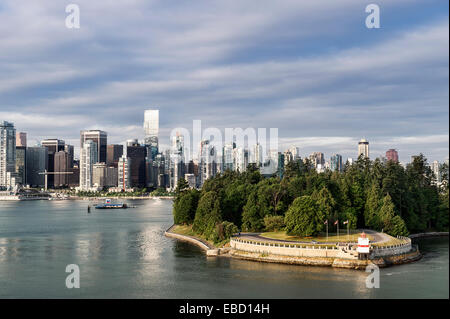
(304, 217)
(273, 223)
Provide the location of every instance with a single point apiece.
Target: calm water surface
(124, 254)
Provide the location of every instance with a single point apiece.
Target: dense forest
(367, 194)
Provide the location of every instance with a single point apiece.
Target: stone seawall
(210, 250)
(317, 255)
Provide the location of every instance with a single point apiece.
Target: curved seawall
(210, 250)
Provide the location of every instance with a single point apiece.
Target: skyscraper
(137, 153)
(363, 148)
(7, 151)
(21, 164)
(151, 128)
(88, 157)
(124, 173)
(114, 153)
(21, 139)
(336, 163)
(100, 138)
(36, 159)
(392, 155)
(53, 146)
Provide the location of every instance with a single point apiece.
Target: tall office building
(123, 174)
(36, 159)
(151, 129)
(363, 148)
(104, 176)
(62, 165)
(69, 149)
(207, 161)
(53, 146)
(100, 138)
(7, 152)
(336, 163)
(88, 157)
(113, 154)
(21, 139)
(137, 154)
(21, 164)
(240, 159)
(177, 166)
(392, 155)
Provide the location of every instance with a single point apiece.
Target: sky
(309, 68)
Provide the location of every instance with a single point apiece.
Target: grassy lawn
(187, 231)
(332, 237)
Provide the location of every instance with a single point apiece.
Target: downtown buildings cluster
(134, 165)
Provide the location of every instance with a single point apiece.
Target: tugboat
(109, 205)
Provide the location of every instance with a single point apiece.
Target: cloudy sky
(309, 68)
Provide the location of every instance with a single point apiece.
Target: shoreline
(428, 235)
(339, 260)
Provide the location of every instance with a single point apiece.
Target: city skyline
(324, 87)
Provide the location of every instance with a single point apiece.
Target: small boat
(109, 205)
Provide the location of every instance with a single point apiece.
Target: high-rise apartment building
(7, 152)
(392, 155)
(363, 148)
(100, 138)
(317, 159)
(436, 169)
(21, 164)
(88, 157)
(123, 174)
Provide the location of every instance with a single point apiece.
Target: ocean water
(124, 254)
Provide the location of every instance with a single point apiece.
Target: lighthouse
(363, 246)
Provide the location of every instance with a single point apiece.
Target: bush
(273, 223)
(224, 231)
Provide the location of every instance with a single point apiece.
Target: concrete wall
(316, 250)
(284, 249)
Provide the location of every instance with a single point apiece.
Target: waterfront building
(137, 154)
(363, 148)
(392, 155)
(113, 153)
(123, 175)
(100, 138)
(151, 130)
(21, 164)
(7, 152)
(36, 162)
(88, 157)
(336, 163)
(21, 139)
